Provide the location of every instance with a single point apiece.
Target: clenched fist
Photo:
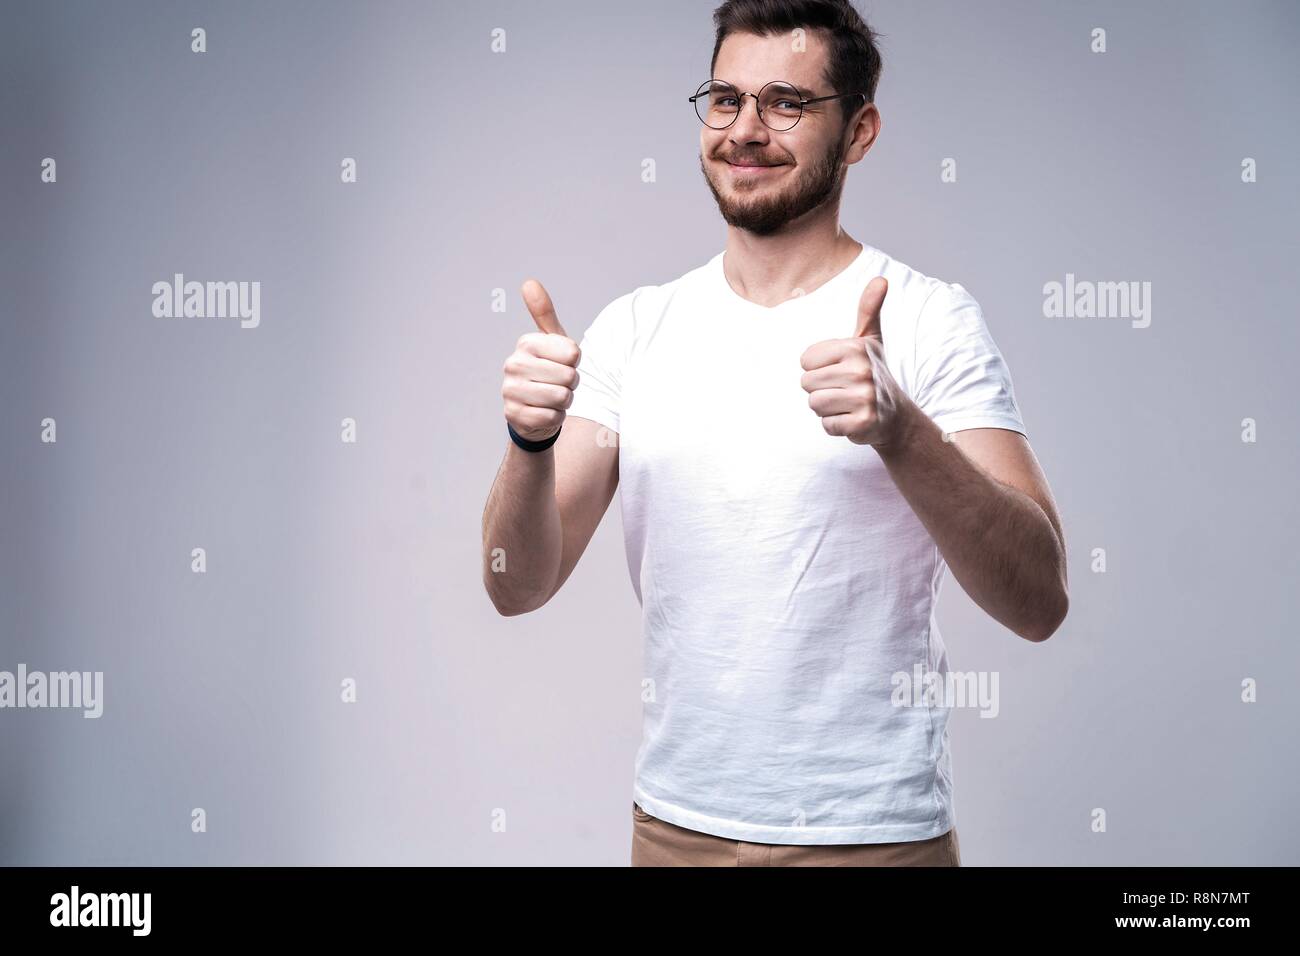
(847, 381)
(542, 372)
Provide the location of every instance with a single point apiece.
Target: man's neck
(768, 270)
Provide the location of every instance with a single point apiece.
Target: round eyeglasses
(780, 105)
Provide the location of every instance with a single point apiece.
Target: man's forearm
(998, 541)
(522, 535)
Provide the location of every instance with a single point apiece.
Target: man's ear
(866, 130)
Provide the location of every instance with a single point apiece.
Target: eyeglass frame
(741, 94)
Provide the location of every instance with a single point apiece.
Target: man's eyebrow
(805, 90)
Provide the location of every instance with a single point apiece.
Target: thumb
(539, 305)
(873, 297)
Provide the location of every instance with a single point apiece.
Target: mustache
(742, 159)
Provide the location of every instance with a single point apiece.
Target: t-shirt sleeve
(605, 348)
(962, 380)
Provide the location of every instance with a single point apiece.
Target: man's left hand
(847, 381)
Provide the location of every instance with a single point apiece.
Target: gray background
(328, 560)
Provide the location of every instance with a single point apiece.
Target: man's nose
(748, 127)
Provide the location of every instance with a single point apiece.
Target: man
(808, 433)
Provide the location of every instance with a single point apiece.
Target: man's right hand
(542, 372)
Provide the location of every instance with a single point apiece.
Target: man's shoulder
(645, 303)
(693, 280)
(913, 289)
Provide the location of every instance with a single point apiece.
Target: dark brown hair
(853, 64)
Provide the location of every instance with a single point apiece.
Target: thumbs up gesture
(542, 372)
(848, 384)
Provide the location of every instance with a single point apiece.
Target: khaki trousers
(657, 842)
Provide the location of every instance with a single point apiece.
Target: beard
(764, 210)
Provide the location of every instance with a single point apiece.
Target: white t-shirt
(783, 578)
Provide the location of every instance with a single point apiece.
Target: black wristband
(527, 445)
